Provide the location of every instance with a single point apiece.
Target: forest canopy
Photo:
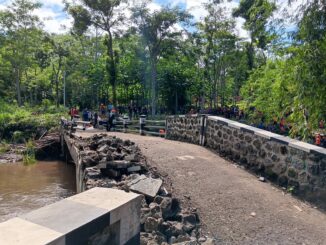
(124, 53)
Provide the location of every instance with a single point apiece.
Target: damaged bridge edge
(75, 155)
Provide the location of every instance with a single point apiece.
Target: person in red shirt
(282, 125)
(72, 112)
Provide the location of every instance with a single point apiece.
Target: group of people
(106, 115)
(228, 112)
(277, 125)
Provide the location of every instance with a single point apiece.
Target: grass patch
(4, 147)
(29, 154)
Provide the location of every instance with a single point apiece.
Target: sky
(57, 21)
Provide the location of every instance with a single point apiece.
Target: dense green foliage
(18, 124)
(163, 60)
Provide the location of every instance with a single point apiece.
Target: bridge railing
(141, 126)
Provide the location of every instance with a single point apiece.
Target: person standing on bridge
(95, 118)
(102, 109)
(111, 119)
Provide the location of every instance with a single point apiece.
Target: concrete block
(65, 216)
(145, 185)
(134, 169)
(18, 231)
(97, 216)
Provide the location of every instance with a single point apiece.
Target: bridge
(215, 164)
(233, 204)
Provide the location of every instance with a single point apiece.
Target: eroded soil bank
(46, 147)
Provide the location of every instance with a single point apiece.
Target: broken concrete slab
(103, 148)
(132, 158)
(118, 164)
(145, 185)
(134, 169)
(111, 173)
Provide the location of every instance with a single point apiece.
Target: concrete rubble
(113, 163)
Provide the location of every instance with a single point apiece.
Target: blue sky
(57, 21)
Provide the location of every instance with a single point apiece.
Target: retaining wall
(98, 216)
(298, 166)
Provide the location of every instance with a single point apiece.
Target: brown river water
(26, 188)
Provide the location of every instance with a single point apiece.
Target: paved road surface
(226, 195)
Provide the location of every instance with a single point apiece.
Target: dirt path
(226, 195)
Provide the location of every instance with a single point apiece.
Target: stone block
(134, 169)
(292, 173)
(145, 185)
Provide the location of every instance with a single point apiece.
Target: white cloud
(287, 12)
(53, 2)
(54, 18)
(54, 21)
(51, 14)
(154, 7)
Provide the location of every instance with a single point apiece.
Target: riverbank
(18, 124)
(29, 127)
(47, 147)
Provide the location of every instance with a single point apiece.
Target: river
(26, 188)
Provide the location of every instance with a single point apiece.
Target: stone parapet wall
(295, 165)
(184, 128)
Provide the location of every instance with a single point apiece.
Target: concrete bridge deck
(234, 206)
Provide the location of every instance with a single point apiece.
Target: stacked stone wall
(295, 165)
(184, 128)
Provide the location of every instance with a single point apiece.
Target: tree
(59, 52)
(220, 45)
(105, 15)
(156, 28)
(256, 14)
(19, 27)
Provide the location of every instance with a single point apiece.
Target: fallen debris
(262, 179)
(113, 163)
(298, 208)
(144, 185)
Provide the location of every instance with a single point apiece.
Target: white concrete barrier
(98, 216)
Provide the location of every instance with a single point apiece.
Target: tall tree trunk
(223, 87)
(215, 85)
(56, 80)
(57, 91)
(215, 94)
(176, 101)
(250, 54)
(112, 68)
(17, 81)
(154, 86)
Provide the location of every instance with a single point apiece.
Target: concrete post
(142, 123)
(125, 120)
(203, 124)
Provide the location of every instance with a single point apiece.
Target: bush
(22, 123)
